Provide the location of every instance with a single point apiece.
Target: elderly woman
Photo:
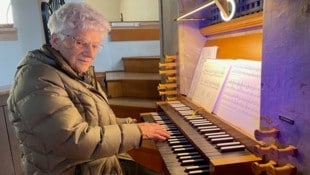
(59, 112)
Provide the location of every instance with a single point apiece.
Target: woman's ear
(55, 40)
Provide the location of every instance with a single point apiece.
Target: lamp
(221, 4)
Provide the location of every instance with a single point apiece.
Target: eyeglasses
(83, 44)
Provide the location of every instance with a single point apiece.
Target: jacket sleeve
(52, 123)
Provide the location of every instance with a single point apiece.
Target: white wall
(27, 18)
(110, 57)
(132, 10)
(10, 55)
(29, 33)
(140, 10)
(109, 9)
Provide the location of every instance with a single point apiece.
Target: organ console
(201, 143)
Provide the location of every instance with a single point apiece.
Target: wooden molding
(135, 31)
(8, 33)
(246, 22)
(134, 34)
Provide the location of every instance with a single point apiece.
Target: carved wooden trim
(246, 22)
(134, 34)
(142, 31)
(8, 33)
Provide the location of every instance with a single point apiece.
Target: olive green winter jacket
(63, 121)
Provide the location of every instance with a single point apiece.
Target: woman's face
(80, 49)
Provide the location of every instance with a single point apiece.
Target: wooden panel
(112, 76)
(10, 156)
(123, 111)
(238, 38)
(148, 155)
(114, 89)
(14, 145)
(6, 164)
(142, 64)
(8, 33)
(141, 89)
(248, 46)
(134, 34)
(134, 88)
(101, 77)
(243, 23)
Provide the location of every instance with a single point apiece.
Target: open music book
(231, 90)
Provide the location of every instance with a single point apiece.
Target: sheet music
(239, 101)
(210, 82)
(206, 53)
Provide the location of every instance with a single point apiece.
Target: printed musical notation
(231, 90)
(210, 83)
(207, 53)
(239, 101)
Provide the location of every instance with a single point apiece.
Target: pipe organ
(202, 142)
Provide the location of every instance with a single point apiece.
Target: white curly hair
(74, 17)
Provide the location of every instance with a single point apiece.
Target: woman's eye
(79, 42)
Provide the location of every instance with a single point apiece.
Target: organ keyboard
(201, 143)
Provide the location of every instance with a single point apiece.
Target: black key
(196, 167)
(176, 137)
(222, 140)
(206, 127)
(232, 148)
(189, 157)
(192, 161)
(214, 133)
(217, 136)
(210, 130)
(181, 146)
(178, 142)
(202, 124)
(195, 172)
(175, 133)
(227, 144)
(179, 150)
(186, 154)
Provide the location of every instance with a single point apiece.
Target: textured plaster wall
(286, 76)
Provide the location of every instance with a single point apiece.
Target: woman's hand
(153, 131)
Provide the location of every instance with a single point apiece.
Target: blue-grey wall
(286, 76)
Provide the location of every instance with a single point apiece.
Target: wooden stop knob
(287, 169)
(258, 168)
(263, 150)
(261, 135)
(282, 153)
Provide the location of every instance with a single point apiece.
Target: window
(6, 12)
(7, 31)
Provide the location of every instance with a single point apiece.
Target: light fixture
(221, 4)
(196, 10)
(224, 13)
